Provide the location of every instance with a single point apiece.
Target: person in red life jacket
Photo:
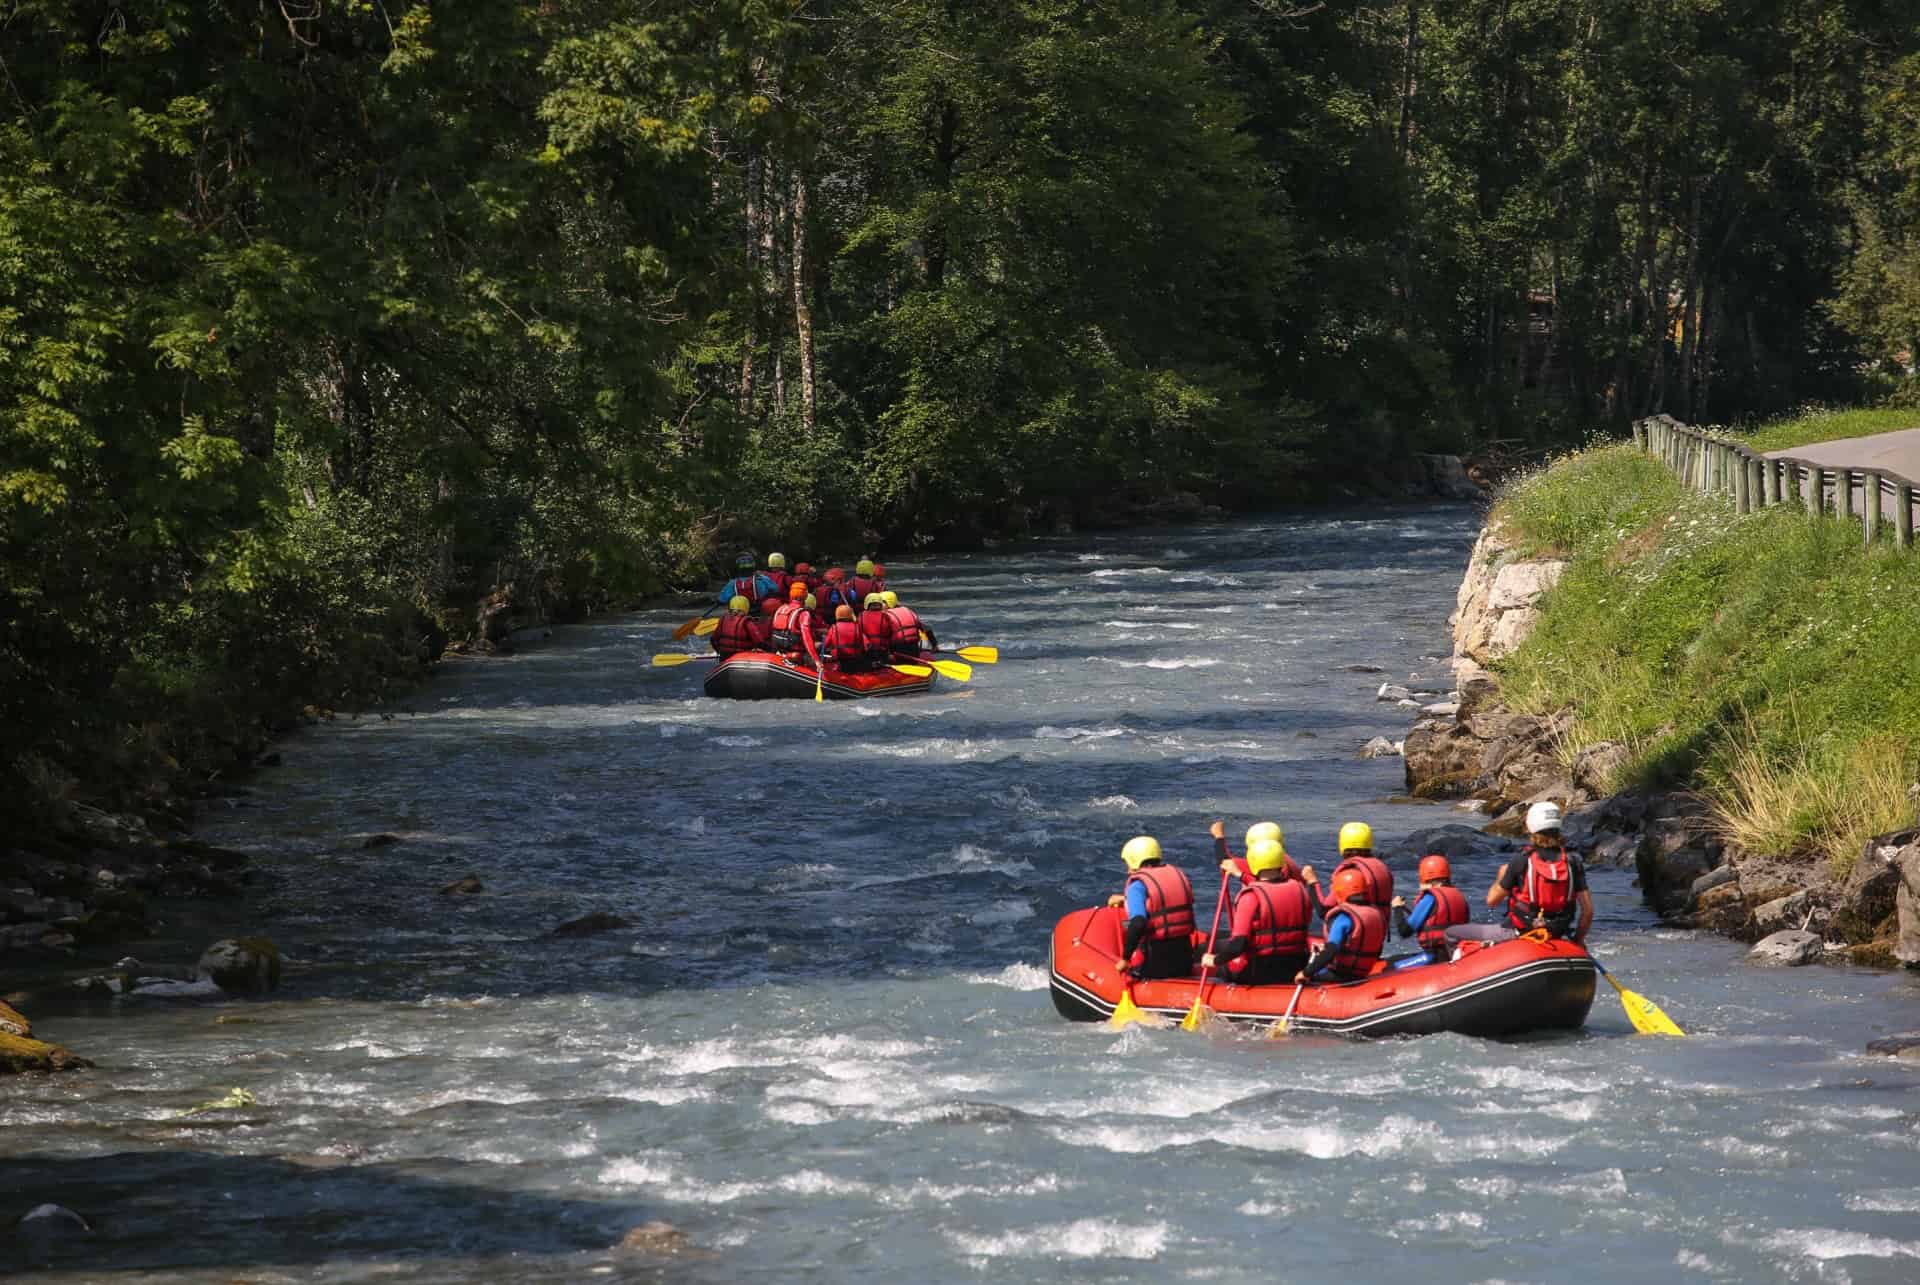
(1258, 832)
(836, 594)
(880, 577)
(863, 582)
(907, 628)
(1356, 932)
(1159, 909)
(842, 644)
(876, 631)
(746, 583)
(777, 572)
(763, 622)
(1356, 853)
(1439, 907)
(820, 622)
(1270, 920)
(737, 632)
(789, 618)
(1547, 886)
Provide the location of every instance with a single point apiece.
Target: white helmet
(1542, 817)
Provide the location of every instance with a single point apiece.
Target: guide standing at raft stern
(1547, 887)
(1160, 922)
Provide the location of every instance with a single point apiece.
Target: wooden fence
(1882, 502)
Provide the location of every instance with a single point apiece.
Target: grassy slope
(1829, 425)
(1767, 659)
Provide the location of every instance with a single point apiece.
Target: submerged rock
(242, 965)
(21, 1054)
(1905, 1046)
(655, 1238)
(464, 887)
(1381, 748)
(1790, 948)
(599, 921)
(1451, 841)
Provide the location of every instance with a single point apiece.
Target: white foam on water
(1048, 732)
(1041, 1185)
(1146, 624)
(1175, 662)
(798, 1112)
(1001, 912)
(1395, 1135)
(1085, 1238)
(811, 1182)
(696, 827)
(1185, 611)
(1017, 977)
(1530, 1080)
(1464, 1220)
(1751, 1152)
(1887, 1202)
(1260, 1208)
(738, 742)
(1824, 1243)
(1225, 582)
(1579, 1111)
(1108, 573)
(637, 1171)
(670, 730)
(1120, 801)
(1693, 1261)
(660, 1095)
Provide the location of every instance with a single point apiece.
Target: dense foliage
(323, 320)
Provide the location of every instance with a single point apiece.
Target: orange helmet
(1350, 885)
(843, 612)
(770, 605)
(797, 590)
(1434, 867)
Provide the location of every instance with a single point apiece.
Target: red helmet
(770, 605)
(797, 590)
(803, 568)
(836, 574)
(1434, 867)
(879, 572)
(1350, 885)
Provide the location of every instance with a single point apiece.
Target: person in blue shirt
(754, 586)
(1158, 939)
(1356, 932)
(1439, 907)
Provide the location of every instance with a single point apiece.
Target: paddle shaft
(1212, 936)
(1288, 1015)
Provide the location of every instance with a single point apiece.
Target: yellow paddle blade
(1278, 1030)
(1197, 1016)
(673, 658)
(1644, 1013)
(1126, 1013)
(980, 655)
(918, 671)
(706, 626)
(687, 628)
(953, 669)
(819, 680)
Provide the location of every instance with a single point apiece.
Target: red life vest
(744, 587)
(786, 627)
(1281, 913)
(1546, 889)
(876, 632)
(781, 581)
(1379, 878)
(862, 586)
(1169, 902)
(1361, 950)
(843, 639)
(736, 633)
(1449, 908)
(906, 630)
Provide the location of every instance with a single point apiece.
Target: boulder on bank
(242, 965)
(20, 1054)
(1791, 949)
(1867, 902)
(1907, 906)
(1905, 1046)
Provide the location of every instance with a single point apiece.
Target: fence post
(1870, 489)
(1903, 513)
(1843, 493)
(1816, 490)
(1742, 485)
(1640, 429)
(1770, 479)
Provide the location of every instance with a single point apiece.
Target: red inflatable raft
(1497, 984)
(763, 675)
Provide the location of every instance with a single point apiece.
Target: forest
(323, 323)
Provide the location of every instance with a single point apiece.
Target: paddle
(1641, 1011)
(980, 655)
(1200, 1012)
(918, 671)
(1126, 1012)
(705, 627)
(666, 658)
(1279, 1028)
(692, 625)
(953, 669)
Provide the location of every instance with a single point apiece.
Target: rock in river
(242, 965)
(599, 921)
(1791, 948)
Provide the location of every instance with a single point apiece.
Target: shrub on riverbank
(1766, 659)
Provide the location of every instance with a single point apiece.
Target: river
(825, 1051)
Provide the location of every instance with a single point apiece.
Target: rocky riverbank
(1503, 760)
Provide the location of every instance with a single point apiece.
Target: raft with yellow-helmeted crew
(1146, 952)
(828, 635)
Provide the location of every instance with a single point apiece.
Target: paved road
(1895, 452)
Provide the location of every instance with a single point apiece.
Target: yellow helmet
(777, 561)
(864, 567)
(1263, 830)
(889, 597)
(873, 602)
(1265, 854)
(1140, 850)
(1356, 835)
(739, 603)
(812, 602)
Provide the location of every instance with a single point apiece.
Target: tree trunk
(934, 237)
(802, 300)
(753, 213)
(1408, 79)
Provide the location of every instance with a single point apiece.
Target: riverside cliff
(1521, 732)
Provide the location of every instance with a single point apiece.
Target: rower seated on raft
(1439, 907)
